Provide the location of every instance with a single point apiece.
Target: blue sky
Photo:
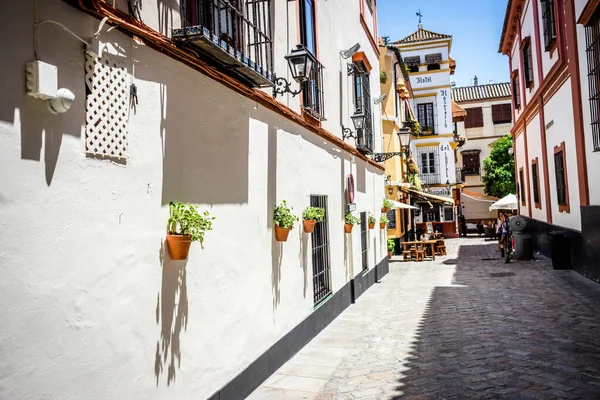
(475, 26)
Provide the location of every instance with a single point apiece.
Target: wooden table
(430, 243)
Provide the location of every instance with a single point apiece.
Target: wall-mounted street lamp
(301, 63)
(350, 52)
(448, 186)
(358, 120)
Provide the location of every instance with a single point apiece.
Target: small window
(501, 113)
(320, 252)
(535, 180)
(471, 162)
(312, 92)
(527, 62)
(433, 67)
(548, 24)
(362, 104)
(516, 89)
(522, 186)
(413, 68)
(448, 214)
(560, 174)
(425, 116)
(474, 118)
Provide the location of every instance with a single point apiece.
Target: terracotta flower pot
(426, 132)
(389, 254)
(382, 225)
(309, 225)
(384, 209)
(179, 246)
(371, 226)
(281, 234)
(348, 228)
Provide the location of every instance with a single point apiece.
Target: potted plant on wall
(415, 127)
(186, 225)
(372, 221)
(391, 245)
(383, 221)
(284, 221)
(387, 205)
(427, 130)
(349, 221)
(310, 216)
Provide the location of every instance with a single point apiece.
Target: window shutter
(474, 117)
(501, 113)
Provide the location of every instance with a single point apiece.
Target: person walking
(499, 229)
(463, 225)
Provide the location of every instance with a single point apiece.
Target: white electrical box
(42, 80)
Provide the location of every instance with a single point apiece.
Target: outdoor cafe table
(430, 243)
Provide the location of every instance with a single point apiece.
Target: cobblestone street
(456, 328)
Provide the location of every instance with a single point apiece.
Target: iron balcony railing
(312, 93)
(460, 175)
(431, 179)
(471, 171)
(237, 34)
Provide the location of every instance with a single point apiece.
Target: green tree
(499, 169)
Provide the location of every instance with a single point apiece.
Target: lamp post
(448, 186)
(301, 63)
(358, 120)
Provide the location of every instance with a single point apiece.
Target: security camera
(62, 102)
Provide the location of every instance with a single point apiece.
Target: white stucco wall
(559, 109)
(592, 157)
(93, 305)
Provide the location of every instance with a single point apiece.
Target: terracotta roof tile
(422, 35)
(481, 92)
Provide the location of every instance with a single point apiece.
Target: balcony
(312, 93)
(468, 171)
(235, 34)
(431, 179)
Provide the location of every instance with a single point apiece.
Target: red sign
(350, 188)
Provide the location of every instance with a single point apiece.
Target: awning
(397, 204)
(411, 61)
(458, 113)
(508, 202)
(428, 196)
(478, 196)
(434, 58)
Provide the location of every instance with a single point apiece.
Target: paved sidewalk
(450, 329)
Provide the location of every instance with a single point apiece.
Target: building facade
(489, 118)
(174, 101)
(552, 57)
(427, 58)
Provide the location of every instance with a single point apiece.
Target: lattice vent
(107, 107)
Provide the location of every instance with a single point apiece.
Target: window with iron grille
(559, 174)
(474, 118)
(522, 186)
(312, 92)
(320, 252)
(516, 89)
(425, 116)
(241, 30)
(527, 62)
(364, 227)
(448, 214)
(471, 162)
(429, 163)
(501, 113)
(362, 105)
(548, 23)
(592, 39)
(535, 180)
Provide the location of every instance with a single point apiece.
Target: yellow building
(395, 110)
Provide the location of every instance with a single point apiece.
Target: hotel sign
(424, 79)
(444, 94)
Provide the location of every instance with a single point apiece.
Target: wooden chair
(440, 248)
(419, 252)
(406, 255)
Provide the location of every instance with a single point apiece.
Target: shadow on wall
(41, 132)
(165, 10)
(171, 315)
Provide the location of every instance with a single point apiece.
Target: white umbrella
(397, 204)
(508, 202)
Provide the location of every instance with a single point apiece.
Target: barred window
(535, 178)
(471, 162)
(560, 175)
(425, 116)
(548, 23)
(362, 104)
(522, 186)
(474, 118)
(501, 113)
(592, 38)
(516, 89)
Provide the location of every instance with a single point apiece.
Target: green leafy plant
(382, 76)
(351, 219)
(426, 129)
(499, 169)
(372, 219)
(415, 127)
(186, 220)
(283, 216)
(391, 244)
(383, 219)
(387, 203)
(313, 214)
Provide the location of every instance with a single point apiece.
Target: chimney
(420, 26)
(475, 81)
